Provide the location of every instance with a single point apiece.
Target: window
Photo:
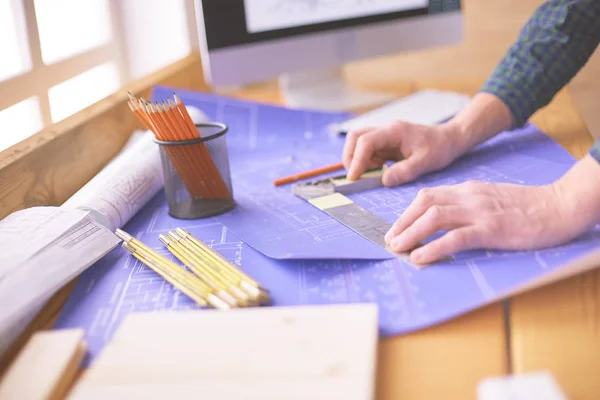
(19, 122)
(12, 40)
(61, 56)
(58, 20)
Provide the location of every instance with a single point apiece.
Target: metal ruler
(328, 196)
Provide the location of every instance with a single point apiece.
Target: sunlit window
(79, 52)
(14, 56)
(19, 122)
(83, 90)
(70, 27)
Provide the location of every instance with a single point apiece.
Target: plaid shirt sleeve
(552, 47)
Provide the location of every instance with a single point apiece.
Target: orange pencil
(308, 174)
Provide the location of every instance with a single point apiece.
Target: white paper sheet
(28, 286)
(24, 233)
(46, 247)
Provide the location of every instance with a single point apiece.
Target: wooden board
(46, 367)
(304, 352)
(558, 327)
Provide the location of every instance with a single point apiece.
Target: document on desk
(24, 233)
(52, 247)
(46, 247)
(408, 299)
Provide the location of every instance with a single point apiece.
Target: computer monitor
(306, 42)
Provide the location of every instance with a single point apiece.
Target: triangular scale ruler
(328, 196)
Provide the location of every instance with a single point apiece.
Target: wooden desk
(555, 328)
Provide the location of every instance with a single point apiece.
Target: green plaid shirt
(552, 47)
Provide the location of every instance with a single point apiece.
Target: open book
(46, 247)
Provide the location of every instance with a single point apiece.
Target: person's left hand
(484, 215)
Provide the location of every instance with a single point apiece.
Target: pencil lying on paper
(180, 278)
(308, 174)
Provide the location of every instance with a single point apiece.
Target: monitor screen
(230, 23)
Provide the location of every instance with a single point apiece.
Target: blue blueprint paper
(267, 142)
(408, 299)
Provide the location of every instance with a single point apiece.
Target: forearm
(579, 192)
(483, 117)
(552, 47)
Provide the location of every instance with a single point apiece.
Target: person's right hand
(417, 149)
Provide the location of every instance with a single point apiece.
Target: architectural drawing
(266, 142)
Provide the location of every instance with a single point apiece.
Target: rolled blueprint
(124, 186)
(127, 183)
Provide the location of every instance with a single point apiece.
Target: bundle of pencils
(213, 280)
(170, 121)
(183, 280)
(214, 269)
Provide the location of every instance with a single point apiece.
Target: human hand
(486, 215)
(418, 149)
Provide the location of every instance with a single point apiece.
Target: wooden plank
(301, 352)
(557, 327)
(49, 167)
(45, 369)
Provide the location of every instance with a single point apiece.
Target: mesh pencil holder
(196, 173)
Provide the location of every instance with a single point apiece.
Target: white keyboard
(426, 107)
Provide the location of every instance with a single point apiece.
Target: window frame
(40, 77)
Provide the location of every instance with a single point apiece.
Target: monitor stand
(327, 90)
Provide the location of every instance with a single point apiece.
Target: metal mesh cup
(196, 172)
